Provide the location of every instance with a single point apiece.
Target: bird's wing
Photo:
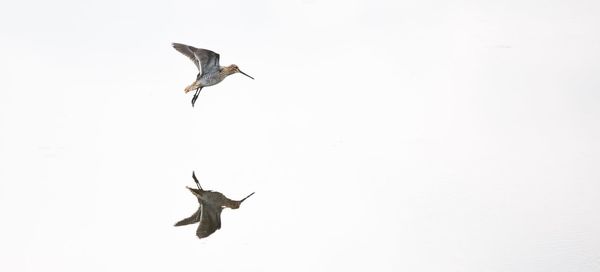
(190, 220)
(210, 220)
(209, 60)
(188, 51)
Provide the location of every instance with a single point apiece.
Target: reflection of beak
(245, 74)
(246, 197)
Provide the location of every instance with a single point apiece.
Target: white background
(378, 135)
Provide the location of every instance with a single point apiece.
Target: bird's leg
(196, 180)
(196, 96)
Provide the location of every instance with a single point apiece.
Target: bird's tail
(189, 88)
(192, 87)
(196, 192)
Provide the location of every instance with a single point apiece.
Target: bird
(210, 71)
(209, 213)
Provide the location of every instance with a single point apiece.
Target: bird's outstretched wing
(210, 220)
(190, 220)
(206, 61)
(209, 60)
(188, 51)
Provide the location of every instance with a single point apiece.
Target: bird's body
(209, 213)
(207, 62)
(210, 79)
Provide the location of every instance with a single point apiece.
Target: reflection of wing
(206, 60)
(210, 220)
(190, 220)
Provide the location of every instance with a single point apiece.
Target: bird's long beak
(246, 197)
(245, 74)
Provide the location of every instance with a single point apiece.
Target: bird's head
(236, 204)
(235, 69)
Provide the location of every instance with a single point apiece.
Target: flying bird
(209, 212)
(210, 72)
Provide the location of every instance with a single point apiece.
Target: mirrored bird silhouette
(210, 72)
(209, 212)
